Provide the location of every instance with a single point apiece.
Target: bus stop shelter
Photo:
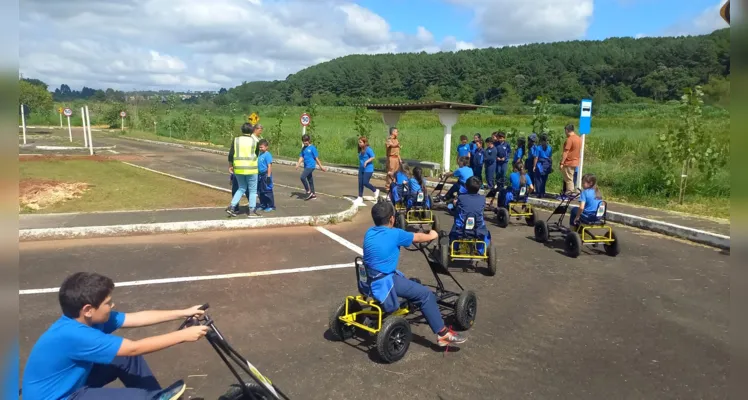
(447, 111)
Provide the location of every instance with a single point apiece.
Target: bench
(431, 166)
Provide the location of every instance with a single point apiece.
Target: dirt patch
(66, 157)
(36, 194)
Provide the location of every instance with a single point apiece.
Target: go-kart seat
(599, 218)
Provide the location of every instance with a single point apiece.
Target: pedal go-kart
(467, 248)
(261, 389)
(582, 234)
(362, 316)
(518, 208)
(418, 214)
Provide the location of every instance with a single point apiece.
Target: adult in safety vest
(243, 163)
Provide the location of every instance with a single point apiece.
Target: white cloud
(198, 44)
(706, 22)
(511, 22)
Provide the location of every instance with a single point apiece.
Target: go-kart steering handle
(191, 320)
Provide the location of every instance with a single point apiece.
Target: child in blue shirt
(463, 149)
(310, 157)
(531, 152)
(416, 185)
(519, 154)
(517, 179)
(365, 170)
(265, 184)
(78, 354)
(503, 154)
(463, 173)
(399, 186)
(386, 283)
(471, 204)
(489, 162)
(476, 159)
(543, 164)
(589, 201)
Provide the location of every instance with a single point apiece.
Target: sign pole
(60, 120)
(122, 124)
(70, 130)
(23, 124)
(83, 123)
(88, 124)
(585, 126)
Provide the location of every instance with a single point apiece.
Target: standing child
(476, 160)
(463, 149)
(589, 201)
(310, 157)
(543, 164)
(265, 164)
(489, 161)
(531, 151)
(365, 170)
(519, 154)
(503, 153)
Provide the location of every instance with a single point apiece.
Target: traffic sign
(68, 112)
(585, 117)
(59, 110)
(253, 119)
(122, 114)
(305, 119)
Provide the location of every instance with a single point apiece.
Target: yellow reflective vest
(245, 155)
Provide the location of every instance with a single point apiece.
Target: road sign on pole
(59, 110)
(23, 123)
(122, 115)
(585, 126)
(253, 118)
(305, 121)
(68, 112)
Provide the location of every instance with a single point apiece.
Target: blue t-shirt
(514, 179)
(382, 247)
(590, 202)
(543, 153)
(310, 155)
(362, 157)
(415, 187)
(463, 150)
(518, 154)
(63, 356)
(263, 161)
(463, 173)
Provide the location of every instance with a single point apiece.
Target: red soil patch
(36, 194)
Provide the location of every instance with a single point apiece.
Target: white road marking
(342, 241)
(202, 278)
(178, 177)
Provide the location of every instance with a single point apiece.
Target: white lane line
(203, 277)
(178, 177)
(342, 241)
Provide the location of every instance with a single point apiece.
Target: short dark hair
(263, 142)
(489, 140)
(392, 129)
(463, 137)
(83, 288)
(501, 134)
(473, 185)
(247, 128)
(382, 212)
(306, 138)
(569, 128)
(463, 161)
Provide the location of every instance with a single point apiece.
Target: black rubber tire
(573, 244)
(614, 248)
(466, 309)
(444, 251)
(531, 219)
(502, 217)
(338, 329)
(541, 231)
(435, 224)
(400, 221)
(235, 393)
(394, 339)
(493, 260)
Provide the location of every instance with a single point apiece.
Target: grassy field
(69, 184)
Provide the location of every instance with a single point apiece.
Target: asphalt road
(650, 323)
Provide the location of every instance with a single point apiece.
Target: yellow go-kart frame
(515, 209)
(416, 215)
(581, 234)
(467, 250)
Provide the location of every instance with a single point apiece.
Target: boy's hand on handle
(193, 333)
(193, 311)
(433, 235)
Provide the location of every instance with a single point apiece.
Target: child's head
(383, 214)
(247, 128)
(263, 145)
(473, 185)
(589, 181)
(362, 143)
(533, 138)
(463, 161)
(476, 137)
(543, 138)
(519, 167)
(463, 139)
(306, 140)
(87, 295)
(501, 136)
(521, 142)
(418, 174)
(489, 142)
(479, 143)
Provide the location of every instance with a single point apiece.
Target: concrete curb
(73, 148)
(185, 226)
(665, 228)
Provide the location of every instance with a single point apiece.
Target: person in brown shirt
(392, 150)
(570, 158)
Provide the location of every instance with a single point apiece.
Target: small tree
(311, 129)
(276, 132)
(540, 115)
(362, 122)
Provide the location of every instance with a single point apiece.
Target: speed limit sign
(67, 112)
(305, 119)
(122, 114)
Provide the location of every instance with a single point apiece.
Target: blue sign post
(585, 125)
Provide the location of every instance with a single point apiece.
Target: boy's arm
(270, 170)
(130, 348)
(153, 317)
(425, 237)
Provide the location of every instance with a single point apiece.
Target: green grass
(114, 186)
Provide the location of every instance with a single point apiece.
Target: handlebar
(192, 321)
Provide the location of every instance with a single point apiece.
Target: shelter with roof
(447, 111)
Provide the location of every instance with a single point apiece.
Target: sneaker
(231, 211)
(376, 194)
(359, 202)
(268, 209)
(173, 392)
(311, 196)
(450, 337)
(252, 213)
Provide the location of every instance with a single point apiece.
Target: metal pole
(578, 183)
(122, 124)
(23, 124)
(70, 130)
(83, 123)
(90, 139)
(60, 120)
(303, 130)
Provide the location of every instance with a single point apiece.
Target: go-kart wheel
(493, 260)
(393, 339)
(502, 217)
(338, 329)
(573, 244)
(531, 219)
(400, 223)
(236, 393)
(444, 251)
(613, 248)
(541, 231)
(466, 309)
(435, 224)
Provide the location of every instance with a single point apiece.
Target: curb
(665, 228)
(184, 226)
(73, 148)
